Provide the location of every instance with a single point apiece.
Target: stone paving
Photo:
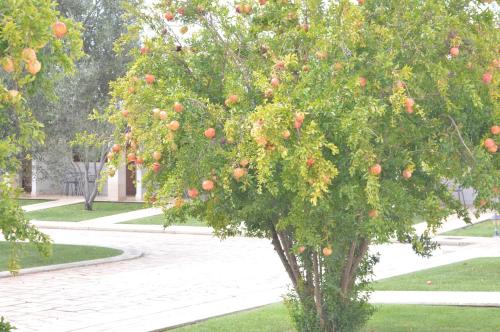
(180, 278)
(55, 203)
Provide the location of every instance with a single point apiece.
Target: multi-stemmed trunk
(309, 270)
(90, 190)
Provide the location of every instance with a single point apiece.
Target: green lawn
(480, 274)
(61, 254)
(387, 318)
(483, 229)
(160, 220)
(76, 212)
(24, 201)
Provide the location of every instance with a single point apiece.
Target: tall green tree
(33, 36)
(68, 113)
(324, 126)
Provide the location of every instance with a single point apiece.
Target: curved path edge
(127, 254)
(83, 226)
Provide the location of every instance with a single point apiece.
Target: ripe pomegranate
(131, 157)
(233, 99)
(34, 67)
(174, 125)
(376, 169)
(487, 78)
(327, 251)
(488, 143)
(208, 185)
(28, 55)
(156, 167)
(280, 65)
(300, 117)
(193, 193)
(363, 81)
(495, 130)
(210, 133)
(163, 115)
(407, 174)
(116, 148)
(157, 155)
(239, 172)
(156, 112)
(178, 107)
(139, 160)
(409, 102)
(275, 82)
(8, 65)
(59, 29)
(169, 16)
(149, 78)
(454, 51)
(247, 9)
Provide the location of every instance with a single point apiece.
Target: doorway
(130, 184)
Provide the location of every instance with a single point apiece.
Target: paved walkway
(51, 204)
(454, 222)
(136, 228)
(483, 299)
(122, 217)
(179, 279)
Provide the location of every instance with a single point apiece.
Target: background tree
(33, 36)
(324, 126)
(67, 114)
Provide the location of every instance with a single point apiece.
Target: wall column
(139, 190)
(34, 189)
(117, 185)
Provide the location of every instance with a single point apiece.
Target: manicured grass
(271, 318)
(24, 201)
(62, 253)
(480, 274)
(160, 220)
(416, 318)
(76, 212)
(483, 229)
(387, 318)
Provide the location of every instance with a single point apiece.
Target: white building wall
(53, 185)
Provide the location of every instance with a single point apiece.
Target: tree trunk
(88, 205)
(90, 195)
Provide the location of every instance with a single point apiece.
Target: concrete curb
(187, 230)
(127, 254)
(465, 240)
(441, 298)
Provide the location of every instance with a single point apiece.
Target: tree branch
(317, 292)
(460, 136)
(344, 281)
(281, 254)
(287, 248)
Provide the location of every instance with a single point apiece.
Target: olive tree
(33, 36)
(326, 126)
